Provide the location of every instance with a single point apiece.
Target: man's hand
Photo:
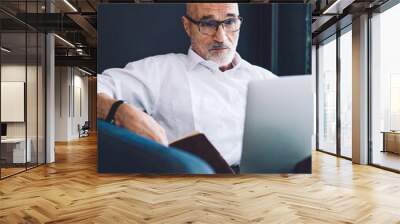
(131, 118)
(139, 122)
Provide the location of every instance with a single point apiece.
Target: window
(385, 88)
(346, 93)
(327, 96)
(22, 66)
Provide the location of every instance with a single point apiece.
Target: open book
(198, 144)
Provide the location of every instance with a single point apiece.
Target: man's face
(221, 46)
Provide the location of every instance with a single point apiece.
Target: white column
(313, 75)
(360, 90)
(50, 92)
(50, 100)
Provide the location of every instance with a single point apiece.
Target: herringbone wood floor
(71, 191)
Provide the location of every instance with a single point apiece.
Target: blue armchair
(122, 151)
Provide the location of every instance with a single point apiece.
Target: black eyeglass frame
(197, 22)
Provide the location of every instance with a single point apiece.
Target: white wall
(81, 104)
(62, 81)
(33, 127)
(12, 73)
(71, 94)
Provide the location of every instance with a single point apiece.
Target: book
(198, 144)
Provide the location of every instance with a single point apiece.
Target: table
(391, 141)
(13, 150)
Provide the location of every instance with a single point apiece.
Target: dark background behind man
(276, 37)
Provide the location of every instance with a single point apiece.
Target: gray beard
(222, 59)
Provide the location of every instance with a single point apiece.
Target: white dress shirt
(185, 93)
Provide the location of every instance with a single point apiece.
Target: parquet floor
(10, 171)
(71, 191)
(387, 159)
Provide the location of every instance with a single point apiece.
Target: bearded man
(165, 97)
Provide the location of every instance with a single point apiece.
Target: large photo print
(204, 88)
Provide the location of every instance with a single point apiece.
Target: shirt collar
(194, 59)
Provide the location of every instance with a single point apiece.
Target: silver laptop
(279, 126)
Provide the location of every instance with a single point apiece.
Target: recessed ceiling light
(337, 7)
(70, 5)
(5, 50)
(64, 40)
(84, 71)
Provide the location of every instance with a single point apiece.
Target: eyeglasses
(210, 27)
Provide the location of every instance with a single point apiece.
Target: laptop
(279, 125)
